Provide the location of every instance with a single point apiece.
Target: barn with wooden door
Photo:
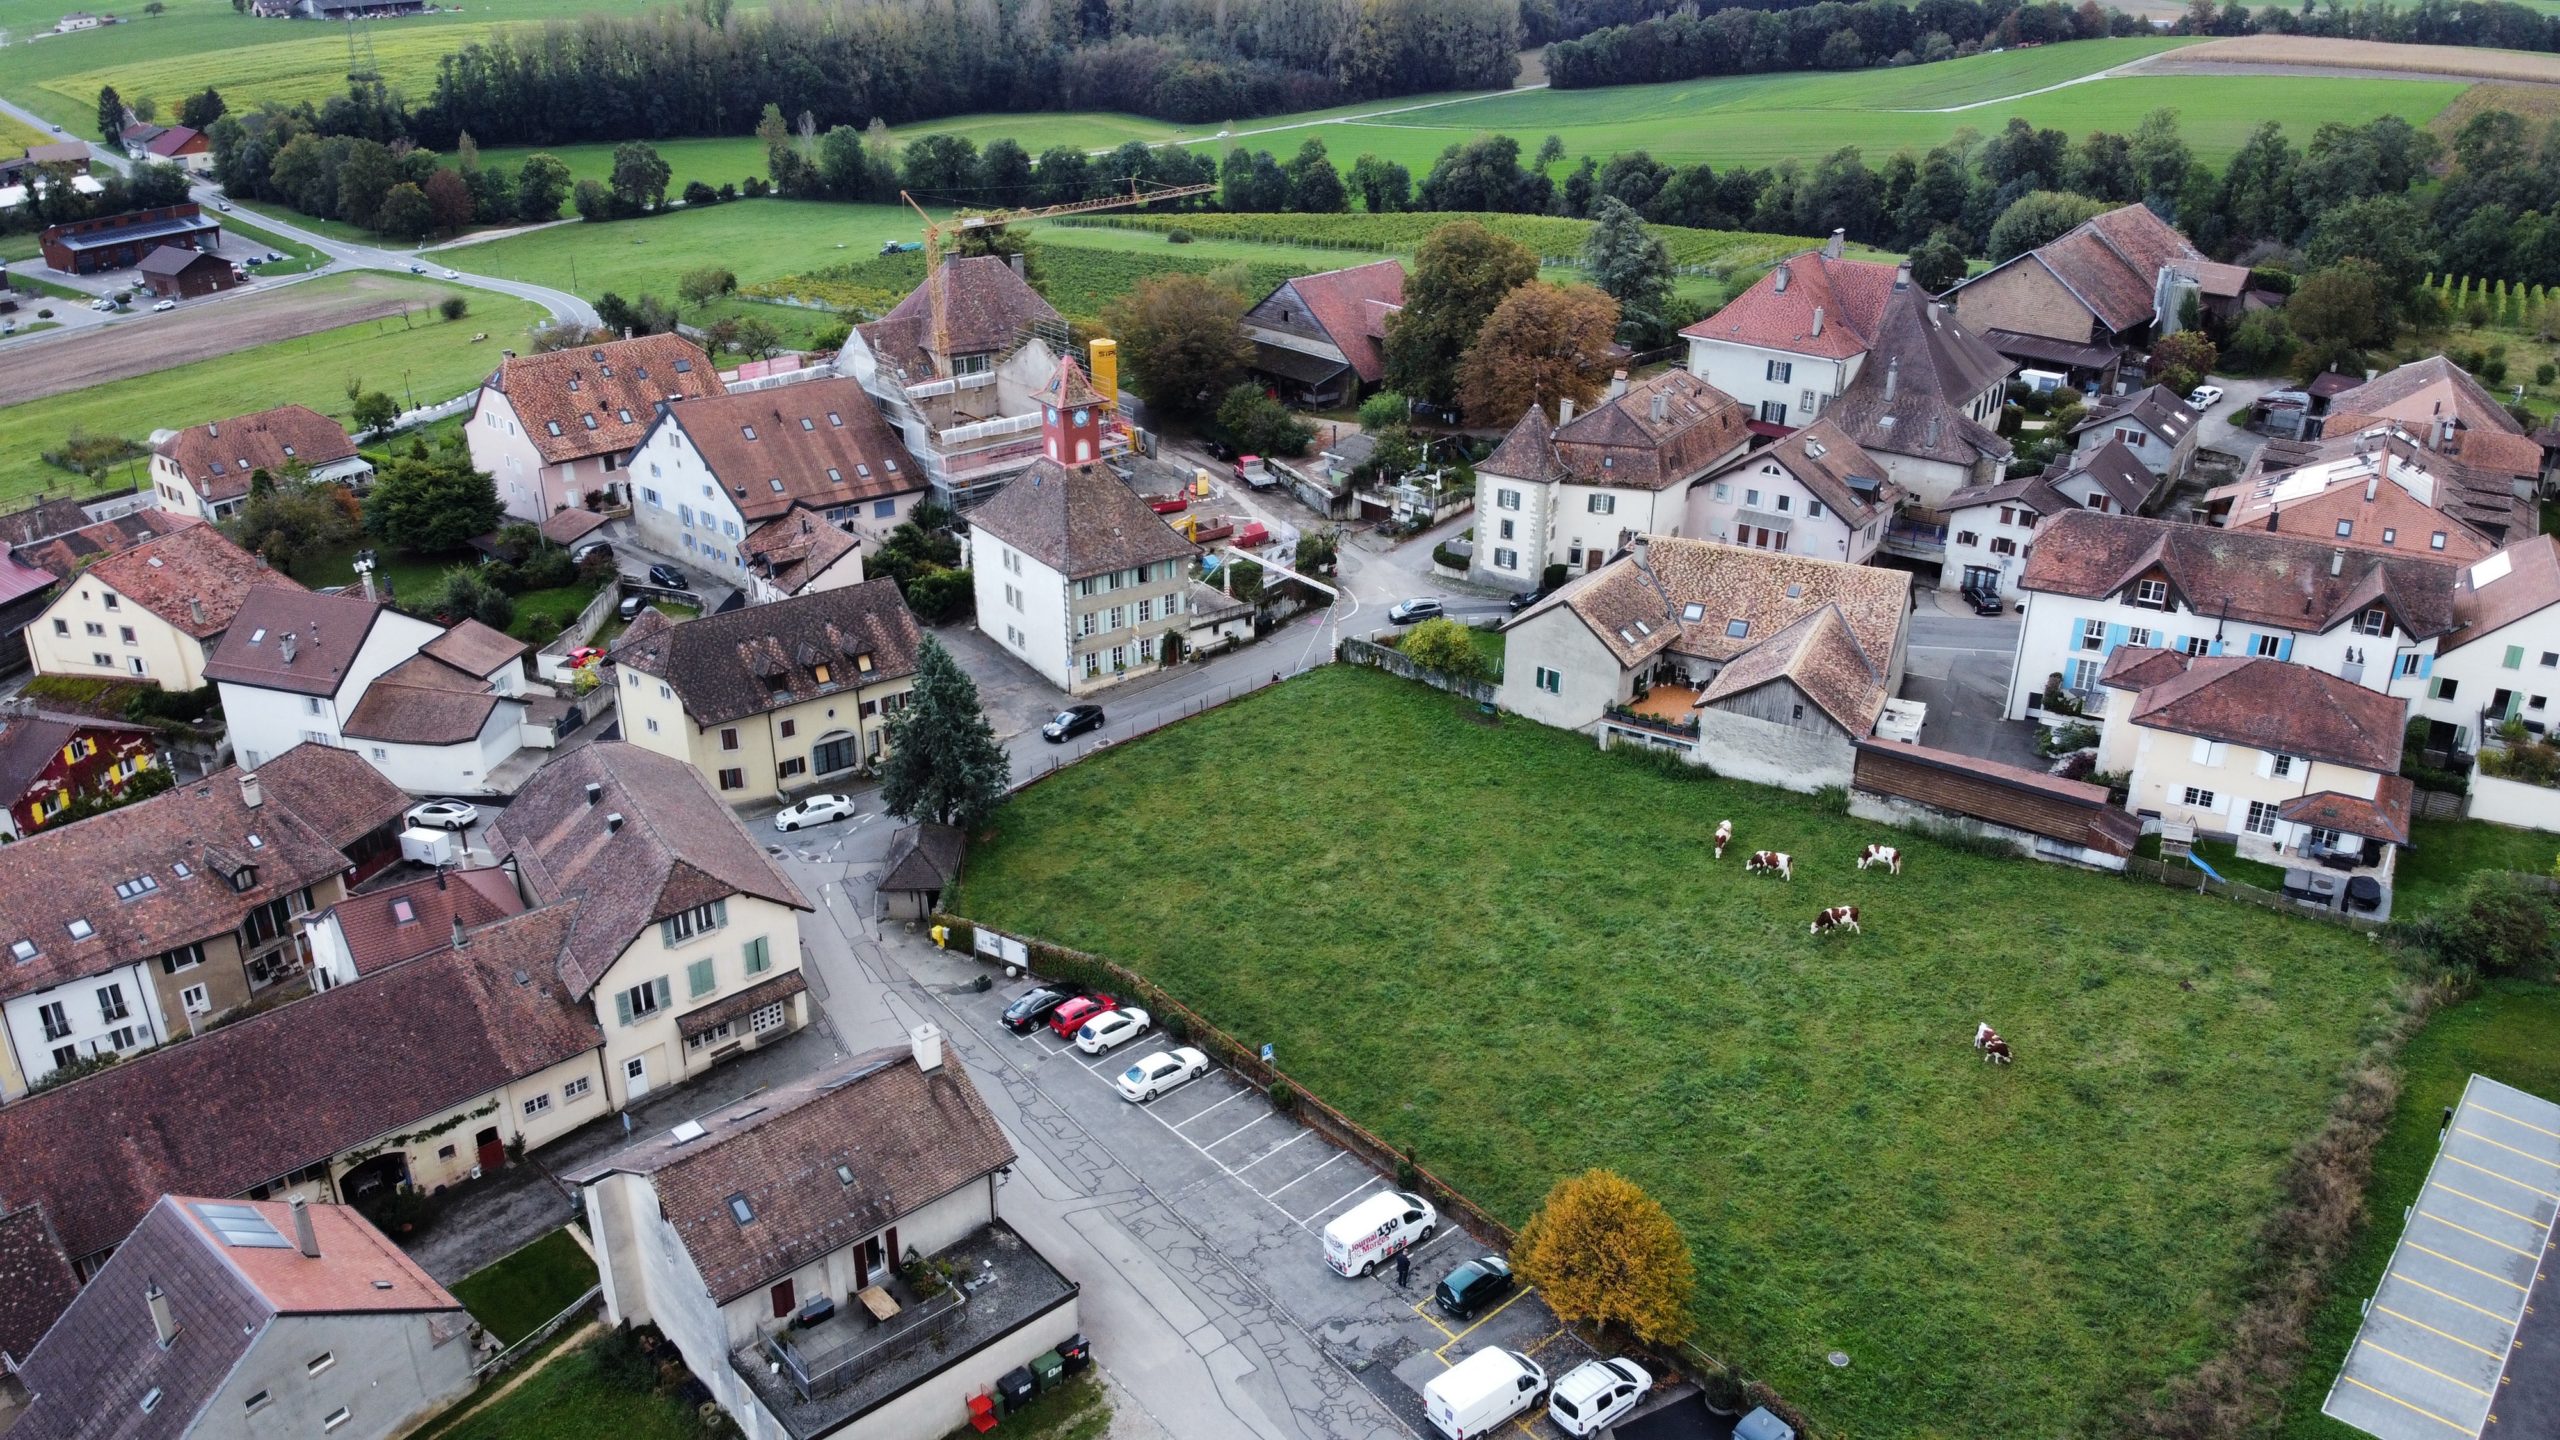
(175, 272)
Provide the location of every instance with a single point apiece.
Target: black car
(1985, 599)
(669, 576)
(1525, 599)
(1071, 722)
(1473, 1286)
(1219, 449)
(1031, 1011)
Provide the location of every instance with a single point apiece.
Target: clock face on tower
(1084, 417)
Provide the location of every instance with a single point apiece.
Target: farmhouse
(555, 429)
(1317, 339)
(964, 401)
(2379, 489)
(767, 1240)
(1770, 667)
(119, 242)
(713, 472)
(206, 470)
(2156, 425)
(181, 145)
(141, 924)
(1814, 493)
(47, 760)
(773, 699)
(2294, 765)
(2452, 414)
(2099, 582)
(1569, 494)
(153, 611)
(2111, 283)
(1990, 528)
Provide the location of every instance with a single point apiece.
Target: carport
(2440, 1352)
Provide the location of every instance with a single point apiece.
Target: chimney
(2444, 436)
(612, 822)
(195, 610)
(305, 1239)
(1661, 406)
(626, 332)
(461, 941)
(1902, 276)
(1015, 260)
(1781, 286)
(287, 646)
(1617, 383)
(2337, 562)
(926, 1040)
(2372, 483)
(163, 1324)
(1831, 248)
(1564, 412)
(364, 577)
(250, 795)
(1892, 378)
(506, 354)
(595, 792)
(1817, 319)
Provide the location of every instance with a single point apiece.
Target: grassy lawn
(2504, 1034)
(1492, 645)
(542, 614)
(517, 1295)
(573, 1399)
(758, 239)
(1517, 956)
(434, 358)
(409, 575)
(2443, 853)
(2225, 861)
(298, 257)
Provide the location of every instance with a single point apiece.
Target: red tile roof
(1079, 521)
(1664, 431)
(2493, 596)
(2278, 707)
(284, 637)
(194, 578)
(2384, 817)
(988, 309)
(2112, 263)
(2424, 393)
(819, 443)
(1351, 306)
(1840, 475)
(797, 548)
(358, 1269)
(36, 1281)
(1779, 311)
(177, 140)
(219, 456)
(423, 701)
(61, 554)
(600, 398)
(1820, 655)
(475, 649)
(19, 580)
(760, 658)
(2245, 575)
(378, 936)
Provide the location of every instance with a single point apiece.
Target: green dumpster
(1049, 1370)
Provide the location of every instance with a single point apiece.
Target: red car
(1070, 1017)
(584, 656)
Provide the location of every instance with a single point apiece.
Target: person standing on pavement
(1404, 1268)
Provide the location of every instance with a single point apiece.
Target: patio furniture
(877, 1301)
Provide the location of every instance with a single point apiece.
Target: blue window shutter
(2284, 648)
(2426, 665)
(622, 1007)
(2115, 636)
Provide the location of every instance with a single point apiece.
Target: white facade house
(2502, 660)
(1814, 493)
(206, 470)
(556, 429)
(1992, 528)
(2099, 582)
(296, 663)
(2156, 425)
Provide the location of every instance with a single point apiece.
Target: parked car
(1596, 1394)
(585, 548)
(1071, 722)
(584, 656)
(815, 810)
(1406, 612)
(1525, 599)
(1473, 1397)
(2204, 397)
(1160, 1072)
(1473, 1287)
(445, 815)
(1376, 1230)
(631, 607)
(1112, 1028)
(1070, 1017)
(1219, 449)
(166, 305)
(1032, 1009)
(669, 576)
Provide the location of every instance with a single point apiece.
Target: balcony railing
(828, 1358)
(1621, 715)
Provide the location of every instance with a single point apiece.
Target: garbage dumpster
(1016, 1389)
(1049, 1370)
(1077, 1351)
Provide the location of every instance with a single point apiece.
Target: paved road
(341, 254)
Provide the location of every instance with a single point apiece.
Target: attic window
(808, 424)
(135, 888)
(844, 1174)
(684, 367)
(834, 476)
(835, 419)
(23, 951)
(1693, 613)
(625, 416)
(1736, 629)
(403, 913)
(741, 1211)
(862, 662)
(750, 429)
(1608, 462)
(825, 675)
(80, 929)
(776, 484)
(551, 425)
(864, 470)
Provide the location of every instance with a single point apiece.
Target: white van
(1474, 1396)
(1377, 1230)
(2043, 382)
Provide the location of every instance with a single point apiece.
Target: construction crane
(934, 231)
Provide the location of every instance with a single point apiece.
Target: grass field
(516, 1295)
(17, 135)
(2443, 853)
(1511, 950)
(572, 1398)
(2505, 1034)
(759, 239)
(432, 359)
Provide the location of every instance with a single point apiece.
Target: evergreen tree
(944, 763)
(110, 114)
(1632, 266)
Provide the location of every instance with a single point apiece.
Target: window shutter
(2266, 765)
(2116, 635)
(2203, 752)
(667, 931)
(2515, 657)
(622, 1007)
(664, 993)
(720, 912)
(2426, 665)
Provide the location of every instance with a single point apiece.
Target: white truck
(1377, 1230)
(1474, 1396)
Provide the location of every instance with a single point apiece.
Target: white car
(445, 815)
(453, 274)
(816, 810)
(2204, 397)
(1110, 1028)
(166, 305)
(1597, 1394)
(1161, 1072)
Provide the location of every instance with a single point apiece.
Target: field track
(2369, 59)
(121, 351)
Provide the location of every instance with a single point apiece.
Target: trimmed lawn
(2444, 853)
(519, 1294)
(573, 1399)
(542, 614)
(1517, 956)
(2225, 860)
(1493, 646)
(410, 576)
(2506, 1034)
(758, 239)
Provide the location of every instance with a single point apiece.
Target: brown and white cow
(1776, 862)
(1988, 1041)
(1838, 917)
(1884, 855)
(1724, 836)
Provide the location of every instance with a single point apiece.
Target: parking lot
(1259, 1187)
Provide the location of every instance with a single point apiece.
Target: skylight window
(604, 370)
(403, 913)
(1693, 613)
(835, 419)
(288, 452)
(256, 842)
(741, 1211)
(684, 367)
(861, 469)
(573, 384)
(808, 424)
(625, 416)
(1795, 592)
(844, 1174)
(750, 429)
(22, 951)
(1643, 629)
(179, 868)
(834, 476)
(589, 420)
(776, 483)
(139, 885)
(551, 425)
(890, 465)
(80, 929)
(1736, 629)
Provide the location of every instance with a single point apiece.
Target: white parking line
(1240, 1094)
(1230, 1135)
(1337, 1155)
(1345, 1195)
(1274, 1150)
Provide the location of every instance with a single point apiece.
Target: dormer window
(2151, 594)
(2375, 621)
(862, 662)
(825, 674)
(244, 878)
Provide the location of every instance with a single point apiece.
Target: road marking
(1240, 1094)
(1230, 1135)
(2501, 1209)
(2474, 1269)
(2447, 1334)
(2476, 1235)
(2502, 1175)
(2510, 1149)
(2510, 1119)
(2456, 1299)
(1274, 1150)
(2405, 1405)
(2430, 1369)
(1486, 1318)
(1310, 1175)
(1423, 1309)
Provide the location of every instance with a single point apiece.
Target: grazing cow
(1838, 917)
(1884, 855)
(1724, 836)
(1777, 862)
(1993, 1048)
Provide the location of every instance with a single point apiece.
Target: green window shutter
(697, 979)
(759, 956)
(2515, 657)
(622, 1007)
(667, 932)
(719, 912)
(665, 992)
